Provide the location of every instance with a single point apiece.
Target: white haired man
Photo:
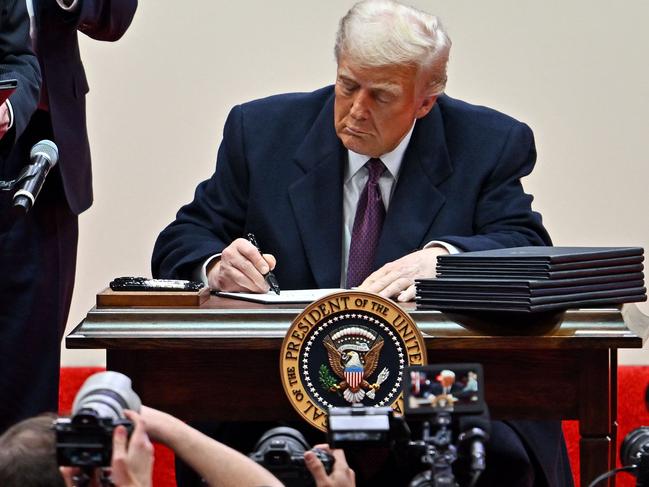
(341, 184)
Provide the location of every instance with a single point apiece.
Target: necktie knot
(376, 169)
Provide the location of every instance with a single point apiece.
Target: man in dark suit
(310, 174)
(17, 61)
(38, 252)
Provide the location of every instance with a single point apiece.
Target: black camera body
(86, 440)
(281, 451)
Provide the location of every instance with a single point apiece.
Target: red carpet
(632, 413)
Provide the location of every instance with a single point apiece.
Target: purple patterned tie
(368, 222)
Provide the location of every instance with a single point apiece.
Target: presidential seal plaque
(348, 348)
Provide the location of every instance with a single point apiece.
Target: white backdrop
(575, 71)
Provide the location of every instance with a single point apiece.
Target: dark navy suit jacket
(57, 45)
(279, 174)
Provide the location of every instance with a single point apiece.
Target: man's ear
(426, 106)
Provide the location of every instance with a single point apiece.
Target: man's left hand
(397, 278)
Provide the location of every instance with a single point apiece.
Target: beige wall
(575, 71)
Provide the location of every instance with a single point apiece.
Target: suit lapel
(416, 199)
(316, 198)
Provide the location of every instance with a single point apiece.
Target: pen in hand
(269, 276)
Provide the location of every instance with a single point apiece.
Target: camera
(85, 439)
(445, 406)
(281, 450)
(634, 452)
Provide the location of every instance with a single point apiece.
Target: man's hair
(28, 454)
(378, 33)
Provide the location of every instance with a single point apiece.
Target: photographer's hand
(341, 475)
(217, 463)
(132, 463)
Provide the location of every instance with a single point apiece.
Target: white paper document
(290, 296)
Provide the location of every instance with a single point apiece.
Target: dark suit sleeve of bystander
(103, 20)
(18, 62)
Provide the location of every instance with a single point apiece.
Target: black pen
(269, 276)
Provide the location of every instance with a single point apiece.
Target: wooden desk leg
(613, 372)
(595, 414)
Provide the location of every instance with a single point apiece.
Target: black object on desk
(147, 285)
(535, 279)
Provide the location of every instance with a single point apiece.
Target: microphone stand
(440, 453)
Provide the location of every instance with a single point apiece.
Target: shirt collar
(392, 160)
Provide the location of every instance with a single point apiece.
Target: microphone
(43, 157)
(475, 431)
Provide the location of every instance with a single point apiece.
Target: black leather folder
(537, 265)
(462, 283)
(529, 274)
(459, 306)
(478, 292)
(535, 279)
(553, 255)
(523, 299)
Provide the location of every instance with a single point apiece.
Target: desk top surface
(225, 323)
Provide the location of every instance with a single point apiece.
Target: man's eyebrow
(388, 87)
(346, 78)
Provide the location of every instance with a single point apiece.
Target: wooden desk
(221, 361)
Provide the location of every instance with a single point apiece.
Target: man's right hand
(241, 268)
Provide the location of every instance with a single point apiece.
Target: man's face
(376, 106)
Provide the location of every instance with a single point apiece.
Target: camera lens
(634, 446)
(106, 394)
(280, 446)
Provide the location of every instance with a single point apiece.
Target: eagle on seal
(354, 368)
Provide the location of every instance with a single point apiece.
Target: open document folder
(293, 296)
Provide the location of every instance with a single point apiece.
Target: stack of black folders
(535, 279)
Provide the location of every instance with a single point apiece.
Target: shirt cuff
(452, 249)
(11, 114)
(200, 273)
(67, 5)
